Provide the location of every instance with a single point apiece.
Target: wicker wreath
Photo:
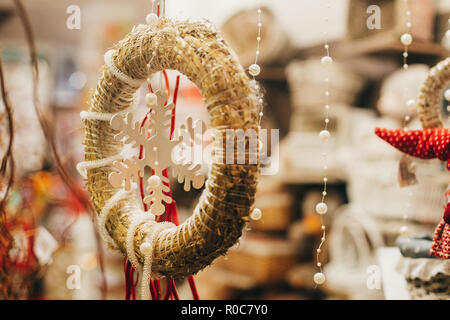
(197, 51)
(430, 95)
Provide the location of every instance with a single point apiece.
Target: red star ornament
(424, 144)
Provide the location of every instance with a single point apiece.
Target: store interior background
(275, 258)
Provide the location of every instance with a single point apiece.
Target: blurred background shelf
(365, 205)
(5, 15)
(388, 44)
(308, 177)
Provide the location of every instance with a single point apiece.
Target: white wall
(303, 19)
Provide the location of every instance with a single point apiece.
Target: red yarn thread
(170, 216)
(130, 285)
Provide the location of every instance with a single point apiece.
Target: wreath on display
(431, 142)
(162, 249)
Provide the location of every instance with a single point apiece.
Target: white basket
(428, 279)
(373, 186)
(353, 240)
(305, 79)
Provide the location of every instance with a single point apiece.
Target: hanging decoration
(154, 248)
(254, 70)
(406, 38)
(158, 150)
(324, 136)
(406, 166)
(431, 142)
(424, 144)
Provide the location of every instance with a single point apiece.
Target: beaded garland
(324, 136)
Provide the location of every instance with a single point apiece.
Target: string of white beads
(256, 214)
(447, 33)
(447, 97)
(411, 103)
(151, 99)
(254, 69)
(151, 19)
(319, 278)
(324, 136)
(326, 61)
(406, 39)
(403, 231)
(447, 94)
(321, 208)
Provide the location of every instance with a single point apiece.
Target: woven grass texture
(429, 105)
(197, 51)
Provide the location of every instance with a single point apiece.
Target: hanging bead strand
(447, 92)
(254, 70)
(406, 39)
(324, 136)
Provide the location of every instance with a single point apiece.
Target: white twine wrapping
(153, 230)
(119, 74)
(136, 220)
(121, 194)
(94, 164)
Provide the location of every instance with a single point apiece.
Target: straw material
(429, 104)
(223, 210)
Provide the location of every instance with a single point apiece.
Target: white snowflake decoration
(157, 153)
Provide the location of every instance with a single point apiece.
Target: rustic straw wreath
(430, 95)
(197, 51)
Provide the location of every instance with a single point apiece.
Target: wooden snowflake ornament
(128, 171)
(158, 153)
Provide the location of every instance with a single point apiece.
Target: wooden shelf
(383, 45)
(387, 44)
(296, 177)
(377, 45)
(5, 14)
(273, 73)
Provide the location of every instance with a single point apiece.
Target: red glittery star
(424, 144)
